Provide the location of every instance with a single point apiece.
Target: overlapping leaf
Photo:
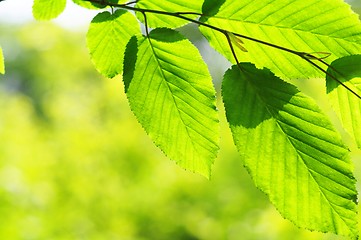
(90, 5)
(87, 4)
(48, 9)
(106, 40)
(171, 93)
(346, 104)
(2, 66)
(307, 26)
(157, 20)
(291, 150)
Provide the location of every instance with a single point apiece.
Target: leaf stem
(146, 24)
(232, 49)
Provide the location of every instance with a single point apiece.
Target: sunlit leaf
(90, 5)
(346, 104)
(2, 66)
(48, 9)
(107, 38)
(291, 150)
(87, 4)
(170, 91)
(157, 20)
(307, 26)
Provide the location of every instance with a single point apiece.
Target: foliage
(348, 71)
(297, 126)
(307, 26)
(287, 144)
(71, 167)
(107, 37)
(178, 105)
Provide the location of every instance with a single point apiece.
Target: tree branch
(306, 56)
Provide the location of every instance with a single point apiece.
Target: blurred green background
(75, 164)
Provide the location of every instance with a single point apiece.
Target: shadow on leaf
(348, 71)
(107, 16)
(211, 7)
(252, 96)
(130, 58)
(166, 35)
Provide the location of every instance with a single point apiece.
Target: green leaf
(107, 38)
(48, 9)
(307, 26)
(291, 150)
(157, 20)
(170, 92)
(87, 4)
(346, 104)
(90, 5)
(2, 65)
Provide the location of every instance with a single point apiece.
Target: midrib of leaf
(179, 69)
(103, 38)
(165, 82)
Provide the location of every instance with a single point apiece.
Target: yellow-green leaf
(48, 9)
(291, 150)
(107, 38)
(346, 104)
(306, 26)
(158, 20)
(90, 5)
(170, 92)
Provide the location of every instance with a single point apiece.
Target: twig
(306, 56)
